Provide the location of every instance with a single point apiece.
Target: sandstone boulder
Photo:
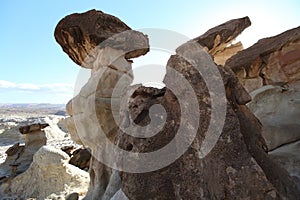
(48, 176)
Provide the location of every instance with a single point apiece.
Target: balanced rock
(19, 157)
(102, 43)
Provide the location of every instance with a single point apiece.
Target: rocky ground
(12, 116)
(33, 168)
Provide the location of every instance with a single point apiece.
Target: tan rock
(271, 61)
(49, 174)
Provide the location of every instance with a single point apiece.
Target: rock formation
(218, 40)
(271, 61)
(105, 47)
(81, 158)
(232, 165)
(48, 177)
(237, 167)
(270, 71)
(79, 38)
(19, 157)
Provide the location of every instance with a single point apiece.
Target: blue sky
(34, 69)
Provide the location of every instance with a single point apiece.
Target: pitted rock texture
(79, 35)
(238, 167)
(271, 61)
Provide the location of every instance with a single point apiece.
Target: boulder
(288, 156)
(270, 61)
(49, 175)
(81, 158)
(278, 109)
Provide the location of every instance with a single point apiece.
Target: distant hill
(38, 108)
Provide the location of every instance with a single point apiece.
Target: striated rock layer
(271, 61)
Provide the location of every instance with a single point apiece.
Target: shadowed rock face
(79, 34)
(238, 167)
(271, 61)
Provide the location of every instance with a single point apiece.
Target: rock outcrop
(218, 40)
(271, 61)
(48, 177)
(220, 153)
(19, 157)
(237, 166)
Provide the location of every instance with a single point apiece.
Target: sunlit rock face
(233, 164)
(49, 176)
(271, 61)
(218, 41)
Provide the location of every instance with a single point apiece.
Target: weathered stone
(48, 174)
(222, 56)
(80, 34)
(217, 40)
(271, 61)
(81, 158)
(90, 123)
(32, 128)
(278, 109)
(237, 166)
(20, 157)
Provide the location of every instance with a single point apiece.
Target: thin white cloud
(54, 87)
(7, 84)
